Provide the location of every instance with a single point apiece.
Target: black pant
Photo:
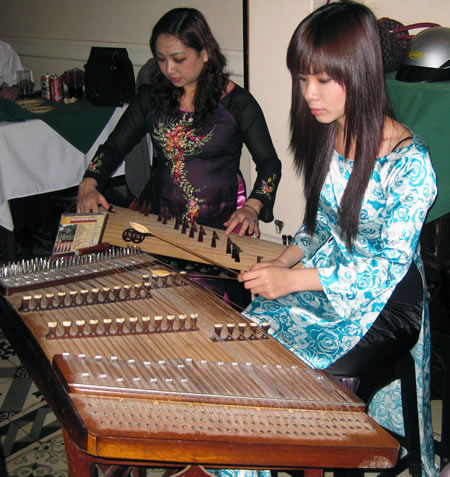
(394, 332)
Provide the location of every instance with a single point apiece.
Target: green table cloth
(425, 109)
(79, 123)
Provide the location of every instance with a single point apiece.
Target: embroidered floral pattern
(178, 141)
(96, 163)
(267, 187)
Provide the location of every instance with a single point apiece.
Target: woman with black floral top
(198, 120)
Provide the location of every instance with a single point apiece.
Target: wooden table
(37, 158)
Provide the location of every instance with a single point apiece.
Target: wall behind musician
(358, 302)
(198, 120)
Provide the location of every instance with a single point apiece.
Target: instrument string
(163, 303)
(316, 374)
(190, 250)
(212, 376)
(263, 384)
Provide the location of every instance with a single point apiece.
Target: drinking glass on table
(75, 83)
(25, 82)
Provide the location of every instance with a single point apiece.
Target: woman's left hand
(247, 216)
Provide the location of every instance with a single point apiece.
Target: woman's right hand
(89, 198)
(268, 281)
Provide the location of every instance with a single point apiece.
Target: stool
(440, 371)
(435, 241)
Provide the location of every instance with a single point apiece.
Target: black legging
(394, 332)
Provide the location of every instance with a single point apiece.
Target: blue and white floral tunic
(321, 326)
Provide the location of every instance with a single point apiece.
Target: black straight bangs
(328, 44)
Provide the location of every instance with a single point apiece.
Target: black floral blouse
(195, 173)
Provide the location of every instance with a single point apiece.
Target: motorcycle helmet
(427, 58)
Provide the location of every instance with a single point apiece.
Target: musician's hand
(247, 218)
(275, 278)
(268, 281)
(89, 198)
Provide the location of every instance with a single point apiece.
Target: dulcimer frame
(142, 365)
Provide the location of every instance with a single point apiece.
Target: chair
(404, 370)
(435, 249)
(435, 241)
(440, 379)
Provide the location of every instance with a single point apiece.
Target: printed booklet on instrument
(78, 231)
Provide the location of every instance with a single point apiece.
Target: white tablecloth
(35, 159)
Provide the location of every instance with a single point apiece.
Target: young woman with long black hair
(199, 121)
(357, 304)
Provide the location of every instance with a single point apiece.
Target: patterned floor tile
(18, 393)
(37, 422)
(8, 357)
(45, 458)
(13, 439)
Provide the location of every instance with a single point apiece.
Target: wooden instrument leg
(79, 464)
(312, 473)
(192, 471)
(199, 471)
(299, 473)
(82, 465)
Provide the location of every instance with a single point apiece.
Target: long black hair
(341, 40)
(190, 27)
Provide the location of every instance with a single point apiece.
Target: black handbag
(109, 77)
(394, 39)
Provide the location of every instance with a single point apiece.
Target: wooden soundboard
(187, 241)
(140, 364)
